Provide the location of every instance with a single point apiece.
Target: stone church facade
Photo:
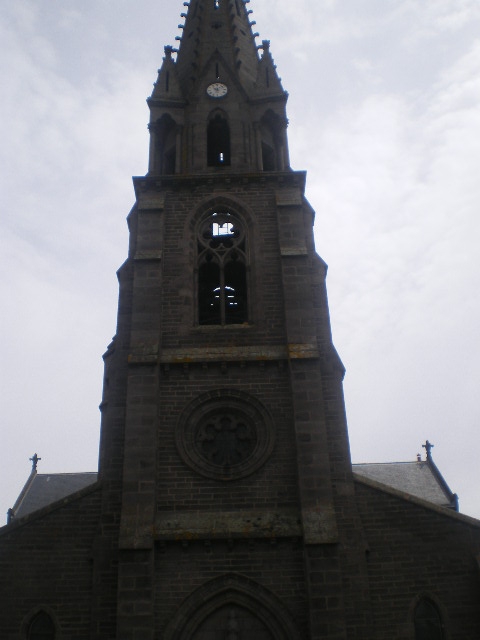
(225, 506)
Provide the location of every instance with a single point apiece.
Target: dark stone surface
(290, 547)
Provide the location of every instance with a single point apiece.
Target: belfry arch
(218, 140)
(166, 145)
(272, 132)
(223, 281)
(233, 607)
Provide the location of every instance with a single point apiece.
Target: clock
(217, 90)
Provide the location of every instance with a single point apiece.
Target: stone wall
(414, 551)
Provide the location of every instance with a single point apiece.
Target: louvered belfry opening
(218, 141)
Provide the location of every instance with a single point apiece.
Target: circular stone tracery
(226, 437)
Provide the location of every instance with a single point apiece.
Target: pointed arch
(41, 626)
(234, 225)
(427, 619)
(232, 601)
(271, 132)
(222, 267)
(166, 130)
(218, 139)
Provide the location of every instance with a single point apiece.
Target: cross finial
(34, 460)
(428, 446)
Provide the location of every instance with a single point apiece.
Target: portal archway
(232, 608)
(233, 622)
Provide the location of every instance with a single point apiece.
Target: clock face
(217, 90)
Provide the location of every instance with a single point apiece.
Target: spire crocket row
(217, 64)
(225, 507)
(221, 30)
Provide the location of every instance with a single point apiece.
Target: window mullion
(223, 314)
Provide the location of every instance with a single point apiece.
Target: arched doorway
(232, 607)
(232, 622)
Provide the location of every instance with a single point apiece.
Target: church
(225, 506)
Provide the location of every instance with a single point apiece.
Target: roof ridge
(43, 511)
(394, 462)
(408, 497)
(68, 473)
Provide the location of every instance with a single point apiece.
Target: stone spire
(217, 29)
(244, 126)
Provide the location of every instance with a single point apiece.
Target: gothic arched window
(222, 272)
(271, 132)
(218, 141)
(166, 145)
(41, 627)
(427, 620)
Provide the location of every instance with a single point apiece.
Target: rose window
(226, 440)
(225, 437)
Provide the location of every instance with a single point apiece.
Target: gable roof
(42, 489)
(421, 479)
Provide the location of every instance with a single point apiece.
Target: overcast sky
(384, 115)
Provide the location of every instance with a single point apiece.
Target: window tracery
(222, 274)
(226, 437)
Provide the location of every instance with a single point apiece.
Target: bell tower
(224, 455)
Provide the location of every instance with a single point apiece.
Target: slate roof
(42, 489)
(421, 479)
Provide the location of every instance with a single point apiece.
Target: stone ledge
(144, 185)
(289, 198)
(314, 526)
(150, 202)
(294, 251)
(146, 254)
(224, 354)
(197, 525)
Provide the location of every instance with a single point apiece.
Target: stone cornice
(275, 179)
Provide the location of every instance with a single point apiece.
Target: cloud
(430, 19)
(396, 191)
(70, 142)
